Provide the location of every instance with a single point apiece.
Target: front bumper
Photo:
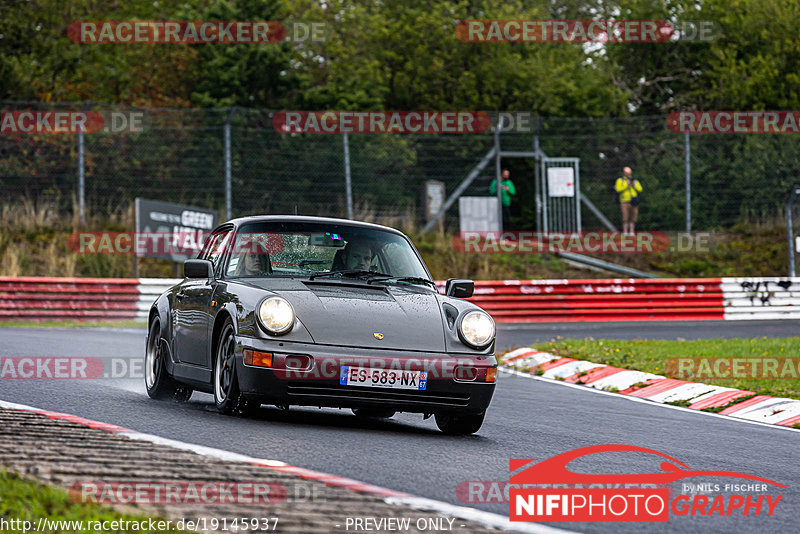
(450, 388)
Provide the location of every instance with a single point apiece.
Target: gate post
(790, 237)
(498, 171)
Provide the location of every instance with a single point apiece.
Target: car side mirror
(459, 288)
(198, 269)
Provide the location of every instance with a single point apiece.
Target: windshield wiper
(351, 272)
(405, 279)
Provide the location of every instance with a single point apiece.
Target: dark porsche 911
(309, 311)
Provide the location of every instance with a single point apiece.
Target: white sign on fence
(434, 198)
(561, 181)
(478, 214)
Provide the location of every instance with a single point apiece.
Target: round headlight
(276, 315)
(477, 329)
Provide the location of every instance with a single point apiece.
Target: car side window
(209, 243)
(216, 251)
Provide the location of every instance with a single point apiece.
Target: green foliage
(29, 500)
(248, 75)
(756, 249)
(405, 55)
(751, 64)
(39, 62)
(377, 55)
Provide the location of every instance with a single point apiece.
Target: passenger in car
(356, 255)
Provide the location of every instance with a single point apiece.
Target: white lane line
(770, 411)
(466, 513)
(647, 401)
(472, 514)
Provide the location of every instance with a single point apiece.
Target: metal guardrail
(44, 298)
(629, 299)
(604, 265)
(601, 300)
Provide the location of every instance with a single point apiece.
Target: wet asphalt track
(527, 419)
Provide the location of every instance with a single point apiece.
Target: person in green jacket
(628, 189)
(507, 190)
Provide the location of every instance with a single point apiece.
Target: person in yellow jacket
(629, 196)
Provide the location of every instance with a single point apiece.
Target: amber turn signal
(259, 359)
(491, 374)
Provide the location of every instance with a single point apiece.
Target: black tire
(157, 381)
(227, 396)
(373, 413)
(459, 425)
(183, 393)
(248, 406)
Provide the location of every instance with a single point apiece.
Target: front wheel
(459, 425)
(157, 381)
(227, 396)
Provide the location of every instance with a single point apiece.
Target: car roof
(238, 222)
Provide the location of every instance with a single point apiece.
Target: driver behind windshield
(357, 256)
(252, 264)
(252, 258)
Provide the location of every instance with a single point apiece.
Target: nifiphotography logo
(548, 491)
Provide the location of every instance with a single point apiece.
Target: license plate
(383, 378)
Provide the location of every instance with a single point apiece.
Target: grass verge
(652, 356)
(26, 500)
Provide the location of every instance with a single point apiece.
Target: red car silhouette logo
(554, 470)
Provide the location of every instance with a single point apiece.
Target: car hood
(352, 314)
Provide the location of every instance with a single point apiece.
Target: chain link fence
(792, 215)
(179, 155)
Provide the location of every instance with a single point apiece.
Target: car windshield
(291, 249)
